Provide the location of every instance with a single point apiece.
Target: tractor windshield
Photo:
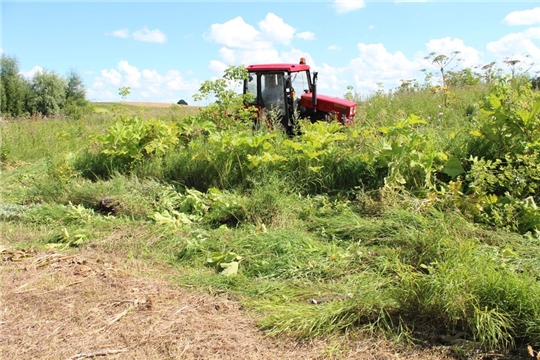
(300, 82)
(273, 93)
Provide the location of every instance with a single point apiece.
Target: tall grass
(361, 217)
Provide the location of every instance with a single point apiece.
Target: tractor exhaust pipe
(314, 92)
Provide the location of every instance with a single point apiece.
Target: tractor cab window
(272, 92)
(300, 82)
(251, 86)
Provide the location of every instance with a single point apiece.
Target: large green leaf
(453, 167)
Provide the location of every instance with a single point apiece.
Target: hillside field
(159, 231)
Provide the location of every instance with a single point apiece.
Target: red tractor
(275, 86)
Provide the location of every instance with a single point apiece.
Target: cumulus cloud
(144, 34)
(151, 76)
(243, 43)
(345, 6)
(333, 47)
(111, 76)
(30, 73)
(275, 30)
(147, 84)
(131, 75)
(176, 81)
(446, 46)
(121, 33)
(148, 35)
(235, 33)
(306, 35)
(375, 65)
(525, 17)
(517, 45)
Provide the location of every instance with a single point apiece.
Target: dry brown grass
(87, 304)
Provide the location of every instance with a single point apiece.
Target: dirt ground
(87, 305)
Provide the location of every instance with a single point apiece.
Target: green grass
(318, 223)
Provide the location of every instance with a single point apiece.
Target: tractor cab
(286, 92)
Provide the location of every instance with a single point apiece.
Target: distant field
(145, 104)
(155, 104)
(155, 108)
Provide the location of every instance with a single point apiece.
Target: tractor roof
(278, 67)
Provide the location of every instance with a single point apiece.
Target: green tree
(463, 77)
(48, 95)
(124, 92)
(75, 90)
(76, 103)
(14, 87)
(535, 82)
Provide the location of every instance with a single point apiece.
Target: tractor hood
(342, 107)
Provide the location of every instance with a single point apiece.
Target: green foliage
(383, 220)
(442, 61)
(502, 181)
(409, 155)
(228, 104)
(463, 77)
(48, 93)
(14, 87)
(535, 83)
(470, 290)
(509, 121)
(124, 91)
(76, 105)
(504, 193)
(224, 263)
(131, 139)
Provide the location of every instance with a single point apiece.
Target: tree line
(45, 94)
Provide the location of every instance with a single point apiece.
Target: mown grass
(388, 262)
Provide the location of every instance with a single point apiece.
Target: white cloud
(375, 65)
(244, 44)
(175, 81)
(30, 74)
(333, 47)
(331, 79)
(147, 84)
(131, 74)
(517, 43)
(109, 76)
(151, 76)
(217, 66)
(525, 17)
(143, 34)
(446, 46)
(148, 35)
(121, 33)
(276, 30)
(306, 35)
(235, 33)
(293, 56)
(227, 55)
(345, 6)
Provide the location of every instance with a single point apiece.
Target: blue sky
(163, 51)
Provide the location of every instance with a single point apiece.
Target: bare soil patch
(89, 304)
